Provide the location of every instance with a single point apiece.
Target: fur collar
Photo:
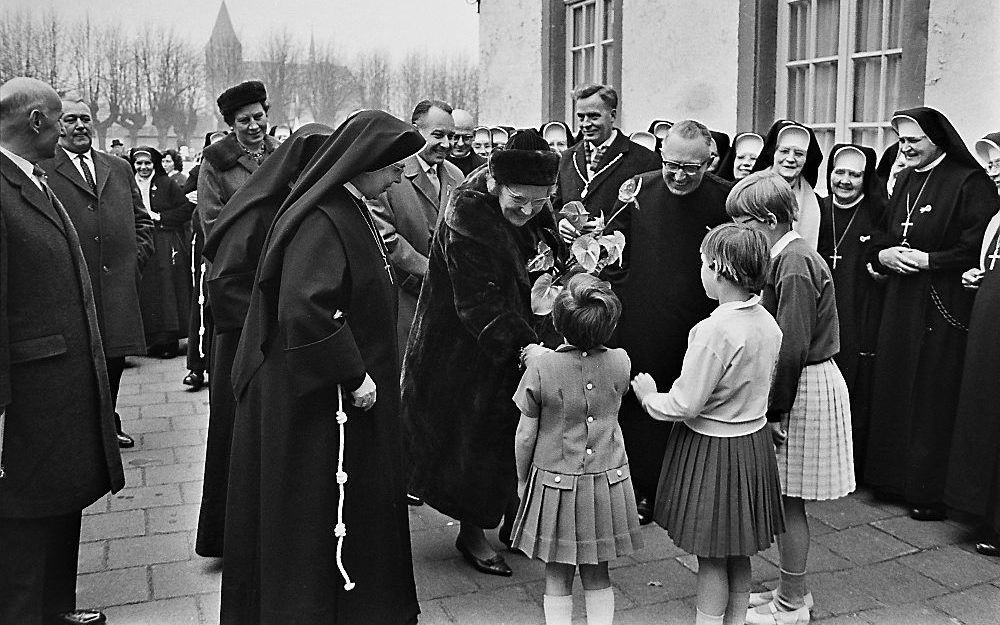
(226, 154)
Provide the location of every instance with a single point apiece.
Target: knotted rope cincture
(340, 530)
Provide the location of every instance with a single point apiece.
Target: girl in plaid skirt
(809, 410)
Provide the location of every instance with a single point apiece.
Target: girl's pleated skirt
(577, 519)
(719, 496)
(817, 460)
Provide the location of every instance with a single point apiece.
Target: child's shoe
(760, 598)
(769, 614)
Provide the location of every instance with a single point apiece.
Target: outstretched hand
(642, 385)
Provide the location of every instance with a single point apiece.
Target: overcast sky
(396, 26)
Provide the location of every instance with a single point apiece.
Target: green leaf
(587, 252)
(576, 213)
(543, 294)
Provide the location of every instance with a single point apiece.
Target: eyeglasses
(523, 201)
(911, 140)
(688, 168)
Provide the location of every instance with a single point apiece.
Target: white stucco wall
(963, 64)
(510, 62)
(679, 61)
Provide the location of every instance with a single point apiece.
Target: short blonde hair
(765, 196)
(739, 254)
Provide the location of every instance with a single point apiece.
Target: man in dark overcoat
(116, 234)
(57, 432)
(592, 170)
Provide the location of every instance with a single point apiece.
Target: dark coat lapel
(66, 169)
(102, 169)
(420, 181)
(31, 194)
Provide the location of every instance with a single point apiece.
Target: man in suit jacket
(116, 233)
(593, 169)
(57, 447)
(407, 213)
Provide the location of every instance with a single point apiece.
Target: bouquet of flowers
(591, 251)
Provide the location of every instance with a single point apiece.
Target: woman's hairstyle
(739, 254)
(586, 311)
(176, 162)
(765, 196)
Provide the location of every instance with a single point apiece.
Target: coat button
(590, 419)
(105, 269)
(589, 451)
(557, 479)
(584, 354)
(619, 472)
(590, 386)
(97, 239)
(90, 207)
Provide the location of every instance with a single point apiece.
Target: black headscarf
(873, 186)
(367, 141)
(814, 156)
(884, 168)
(722, 145)
(154, 155)
(727, 168)
(939, 130)
(271, 184)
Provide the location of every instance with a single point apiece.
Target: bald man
(58, 447)
(461, 147)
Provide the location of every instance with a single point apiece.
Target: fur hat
(242, 94)
(527, 159)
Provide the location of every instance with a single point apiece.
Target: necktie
(89, 177)
(595, 154)
(433, 177)
(40, 175)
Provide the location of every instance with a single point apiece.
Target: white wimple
(340, 531)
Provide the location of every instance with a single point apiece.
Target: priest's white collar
(932, 164)
(783, 242)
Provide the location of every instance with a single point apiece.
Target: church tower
(224, 65)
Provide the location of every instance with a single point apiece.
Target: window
(590, 53)
(839, 66)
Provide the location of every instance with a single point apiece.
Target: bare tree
(133, 116)
(90, 71)
(374, 79)
(30, 46)
(279, 67)
(328, 88)
(169, 70)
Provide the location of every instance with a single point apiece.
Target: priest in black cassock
(974, 471)
(233, 248)
(317, 530)
(660, 283)
(935, 224)
(849, 217)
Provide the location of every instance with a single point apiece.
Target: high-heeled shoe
(491, 566)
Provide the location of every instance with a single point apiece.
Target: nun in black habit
(316, 523)
(849, 217)
(233, 249)
(935, 223)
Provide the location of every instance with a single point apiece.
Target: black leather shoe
(125, 442)
(988, 549)
(506, 529)
(491, 566)
(927, 513)
(194, 379)
(413, 500)
(169, 352)
(645, 509)
(79, 617)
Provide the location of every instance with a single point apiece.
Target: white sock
(558, 610)
(704, 619)
(600, 606)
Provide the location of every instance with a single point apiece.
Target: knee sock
(558, 610)
(791, 591)
(736, 609)
(705, 619)
(600, 606)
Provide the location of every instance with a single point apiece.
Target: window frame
(611, 75)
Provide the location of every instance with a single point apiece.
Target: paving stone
(142, 550)
(142, 399)
(864, 544)
(131, 388)
(190, 453)
(147, 457)
(820, 558)
(143, 425)
(160, 440)
(434, 544)
(172, 518)
(847, 619)
(844, 512)
(634, 581)
(909, 614)
(979, 605)
(112, 525)
(108, 588)
(443, 578)
(839, 593)
(922, 534)
(168, 410)
(164, 386)
(893, 584)
(676, 612)
(504, 606)
(433, 613)
(99, 506)
(134, 476)
(174, 473)
(953, 567)
(189, 422)
(146, 497)
(180, 395)
(91, 557)
(656, 545)
(208, 606)
(180, 611)
(185, 578)
(127, 413)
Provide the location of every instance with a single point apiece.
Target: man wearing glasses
(461, 154)
(660, 285)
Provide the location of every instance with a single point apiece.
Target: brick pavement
(869, 562)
